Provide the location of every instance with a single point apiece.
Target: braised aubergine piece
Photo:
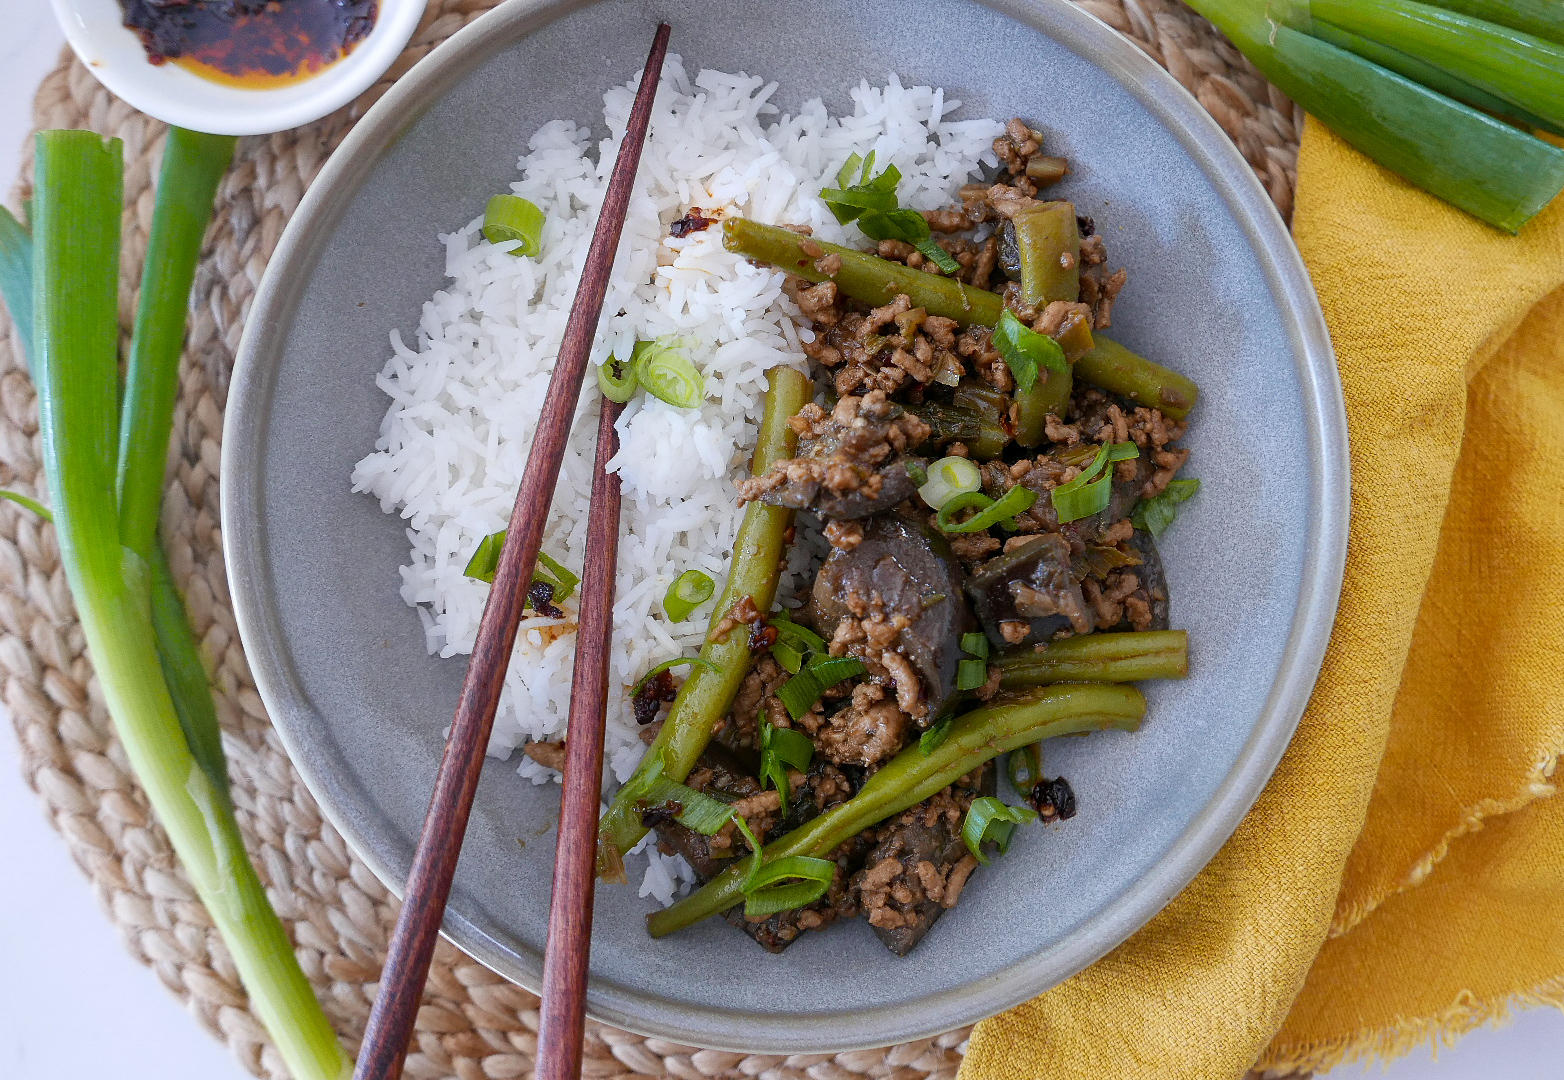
(1035, 583)
(900, 573)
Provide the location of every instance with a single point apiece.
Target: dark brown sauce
(250, 43)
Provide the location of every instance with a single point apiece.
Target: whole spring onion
(115, 575)
(16, 278)
(1543, 18)
(510, 218)
(807, 880)
(947, 478)
(1483, 165)
(27, 503)
(988, 819)
(689, 591)
(800, 693)
(1025, 351)
(781, 749)
(1157, 513)
(990, 511)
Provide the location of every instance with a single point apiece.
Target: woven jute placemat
(473, 1023)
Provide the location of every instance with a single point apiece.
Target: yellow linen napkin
(1402, 875)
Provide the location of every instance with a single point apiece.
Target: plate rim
(254, 378)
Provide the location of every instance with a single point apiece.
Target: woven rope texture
(473, 1024)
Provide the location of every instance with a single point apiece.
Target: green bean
(704, 698)
(1049, 243)
(1128, 374)
(862, 276)
(1049, 394)
(992, 408)
(1114, 658)
(912, 776)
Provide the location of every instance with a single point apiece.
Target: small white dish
(96, 31)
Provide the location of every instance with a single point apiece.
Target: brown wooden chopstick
(434, 862)
(562, 1012)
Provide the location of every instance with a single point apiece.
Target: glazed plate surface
(1215, 290)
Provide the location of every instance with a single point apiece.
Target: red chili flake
(541, 597)
(1054, 800)
(695, 221)
(658, 689)
(762, 635)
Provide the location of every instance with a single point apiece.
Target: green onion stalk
(105, 483)
(1399, 81)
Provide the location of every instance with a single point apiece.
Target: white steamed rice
(465, 398)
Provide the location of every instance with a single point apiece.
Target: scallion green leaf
(989, 819)
(800, 693)
(787, 656)
(563, 580)
(975, 644)
(16, 278)
(1089, 493)
(485, 562)
(30, 504)
(1017, 500)
(1025, 350)
(849, 171)
(800, 637)
(1157, 513)
(808, 879)
(689, 591)
(667, 665)
(509, 218)
(781, 748)
(971, 674)
(931, 739)
(939, 255)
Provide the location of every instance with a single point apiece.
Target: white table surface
(74, 1005)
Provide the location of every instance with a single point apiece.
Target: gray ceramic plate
(1216, 290)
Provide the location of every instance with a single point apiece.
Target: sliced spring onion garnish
(930, 740)
(510, 217)
(918, 474)
(800, 637)
(667, 665)
(1090, 493)
(938, 255)
(755, 847)
(689, 591)
(975, 644)
(1025, 350)
(790, 658)
(989, 819)
(486, 560)
(990, 513)
(971, 674)
(800, 693)
(781, 748)
(947, 478)
(1026, 766)
(808, 879)
(666, 372)
(1157, 513)
(617, 379)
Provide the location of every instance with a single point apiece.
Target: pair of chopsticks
(434, 862)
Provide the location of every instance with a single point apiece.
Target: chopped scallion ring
(689, 591)
(1025, 350)
(666, 372)
(1090, 493)
(508, 218)
(808, 879)
(947, 478)
(617, 379)
(989, 819)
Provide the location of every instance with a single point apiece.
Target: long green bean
(1128, 374)
(1113, 658)
(913, 776)
(862, 276)
(703, 700)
